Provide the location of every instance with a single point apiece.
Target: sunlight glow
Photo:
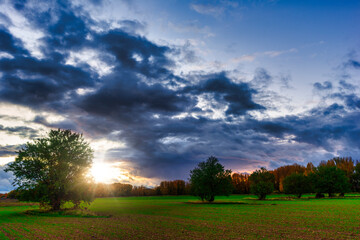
(105, 173)
(5, 160)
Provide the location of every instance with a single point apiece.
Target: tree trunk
(56, 206)
(319, 195)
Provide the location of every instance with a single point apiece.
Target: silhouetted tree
(54, 169)
(241, 183)
(120, 189)
(310, 168)
(210, 179)
(297, 184)
(282, 172)
(355, 178)
(143, 191)
(261, 183)
(176, 187)
(329, 179)
(345, 164)
(13, 194)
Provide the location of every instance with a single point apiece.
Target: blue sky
(157, 86)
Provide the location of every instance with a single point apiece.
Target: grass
(236, 217)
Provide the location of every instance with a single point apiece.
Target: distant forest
(240, 181)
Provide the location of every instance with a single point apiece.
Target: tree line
(54, 170)
(337, 175)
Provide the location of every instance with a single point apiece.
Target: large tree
(261, 183)
(297, 184)
(54, 169)
(209, 179)
(329, 179)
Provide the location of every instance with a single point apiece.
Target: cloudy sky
(157, 86)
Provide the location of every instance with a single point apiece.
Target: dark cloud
(323, 86)
(96, 2)
(5, 19)
(142, 103)
(262, 78)
(237, 95)
(352, 101)
(9, 150)
(63, 124)
(135, 53)
(285, 80)
(321, 127)
(9, 43)
(132, 26)
(33, 82)
(21, 131)
(346, 86)
(353, 64)
(37, 83)
(130, 100)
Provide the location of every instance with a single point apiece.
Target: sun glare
(5, 160)
(104, 173)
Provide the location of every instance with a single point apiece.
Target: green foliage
(209, 179)
(261, 183)
(297, 184)
(54, 169)
(329, 179)
(355, 178)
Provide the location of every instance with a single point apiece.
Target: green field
(236, 217)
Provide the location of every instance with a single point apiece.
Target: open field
(236, 217)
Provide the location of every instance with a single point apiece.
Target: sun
(104, 173)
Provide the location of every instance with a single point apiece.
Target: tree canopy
(261, 183)
(54, 169)
(209, 179)
(329, 179)
(297, 184)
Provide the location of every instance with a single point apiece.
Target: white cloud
(278, 53)
(22, 29)
(211, 10)
(244, 58)
(91, 57)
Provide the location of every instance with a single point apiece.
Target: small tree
(297, 184)
(54, 169)
(329, 179)
(209, 179)
(261, 183)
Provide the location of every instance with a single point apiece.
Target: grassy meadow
(183, 217)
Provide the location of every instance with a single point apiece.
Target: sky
(158, 86)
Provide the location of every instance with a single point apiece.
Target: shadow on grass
(77, 213)
(16, 203)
